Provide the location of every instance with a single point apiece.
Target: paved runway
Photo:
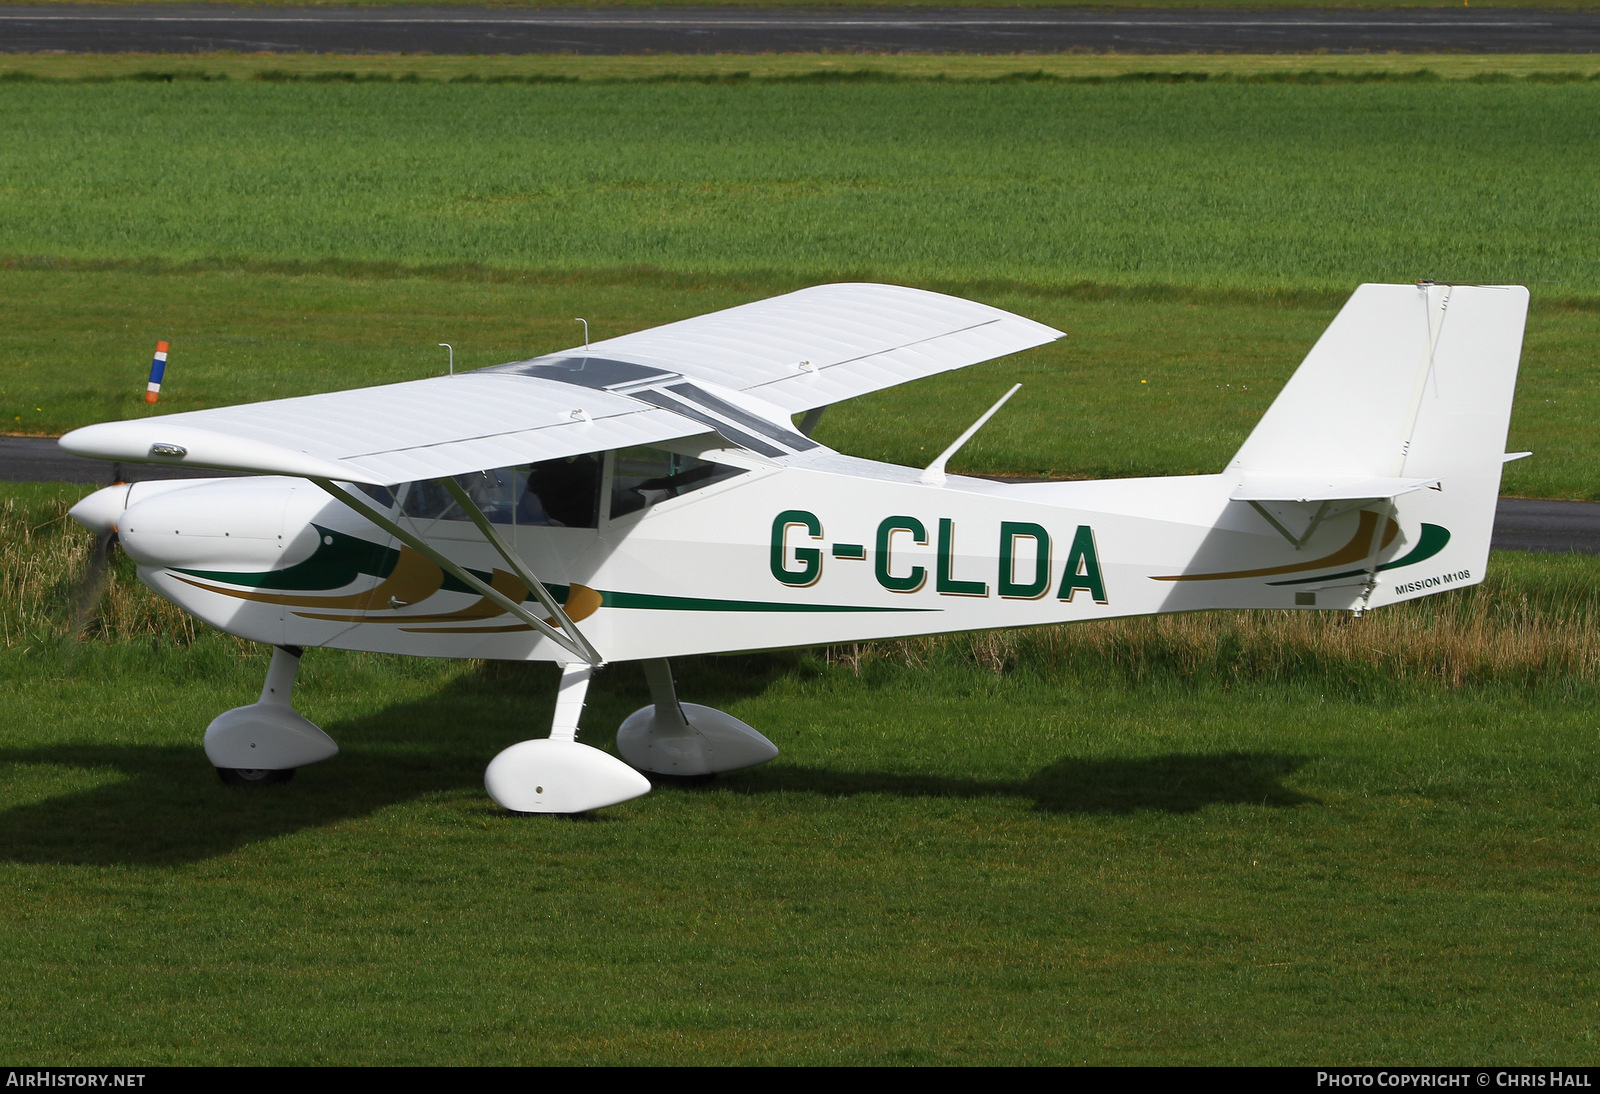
(195, 29)
(1520, 524)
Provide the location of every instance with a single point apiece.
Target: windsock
(158, 367)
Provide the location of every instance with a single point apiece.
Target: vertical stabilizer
(1409, 383)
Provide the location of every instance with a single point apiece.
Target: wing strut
(568, 638)
(520, 568)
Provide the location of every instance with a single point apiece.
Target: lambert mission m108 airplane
(650, 496)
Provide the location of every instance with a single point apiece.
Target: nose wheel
(263, 743)
(255, 776)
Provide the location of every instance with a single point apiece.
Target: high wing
(826, 344)
(740, 372)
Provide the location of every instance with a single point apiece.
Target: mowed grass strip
(1145, 383)
(1041, 858)
(805, 67)
(1272, 187)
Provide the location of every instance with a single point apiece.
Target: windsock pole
(158, 368)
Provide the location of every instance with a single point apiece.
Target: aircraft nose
(220, 524)
(100, 511)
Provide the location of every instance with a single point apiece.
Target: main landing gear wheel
(556, 774)
(254, 776)
(683, 782)
(685, 744)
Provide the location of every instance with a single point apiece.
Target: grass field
(1257, 188)
(1220, 838)
(1230, 837)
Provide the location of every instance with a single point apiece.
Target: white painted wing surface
(448, 425)
(739, 371)
(829, 343)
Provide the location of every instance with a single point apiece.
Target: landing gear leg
(264, 742)
(556, 774)
(686, 740)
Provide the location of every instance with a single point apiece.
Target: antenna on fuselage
(933, 474)
(452, 349)
(585, 323)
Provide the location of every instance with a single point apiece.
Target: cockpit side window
(566, 490)
(383, 495)
(561, 493)
(643, 476)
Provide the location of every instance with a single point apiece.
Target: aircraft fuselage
(813, 549)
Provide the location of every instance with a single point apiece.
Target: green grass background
(1260, 188)
(943, 868)
(292, 235)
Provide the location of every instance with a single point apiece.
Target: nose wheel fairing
(268, 735)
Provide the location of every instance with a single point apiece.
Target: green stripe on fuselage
(707, 604)
(1430, 543)
(340, 558)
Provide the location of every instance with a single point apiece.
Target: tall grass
(52, 590)
(1532, 623)
(819, 67)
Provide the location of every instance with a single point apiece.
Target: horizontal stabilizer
(1319, 488)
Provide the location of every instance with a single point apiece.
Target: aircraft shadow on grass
(1170, 783)
(163, 805)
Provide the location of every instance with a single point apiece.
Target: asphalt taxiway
(208, 28)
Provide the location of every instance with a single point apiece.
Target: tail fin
(1402, 407)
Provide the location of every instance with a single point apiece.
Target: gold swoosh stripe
(503, 629)
(1355, 551)
(413, 578)
(582, 602)
(507, 584)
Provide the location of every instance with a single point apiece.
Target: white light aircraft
(650, 496)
